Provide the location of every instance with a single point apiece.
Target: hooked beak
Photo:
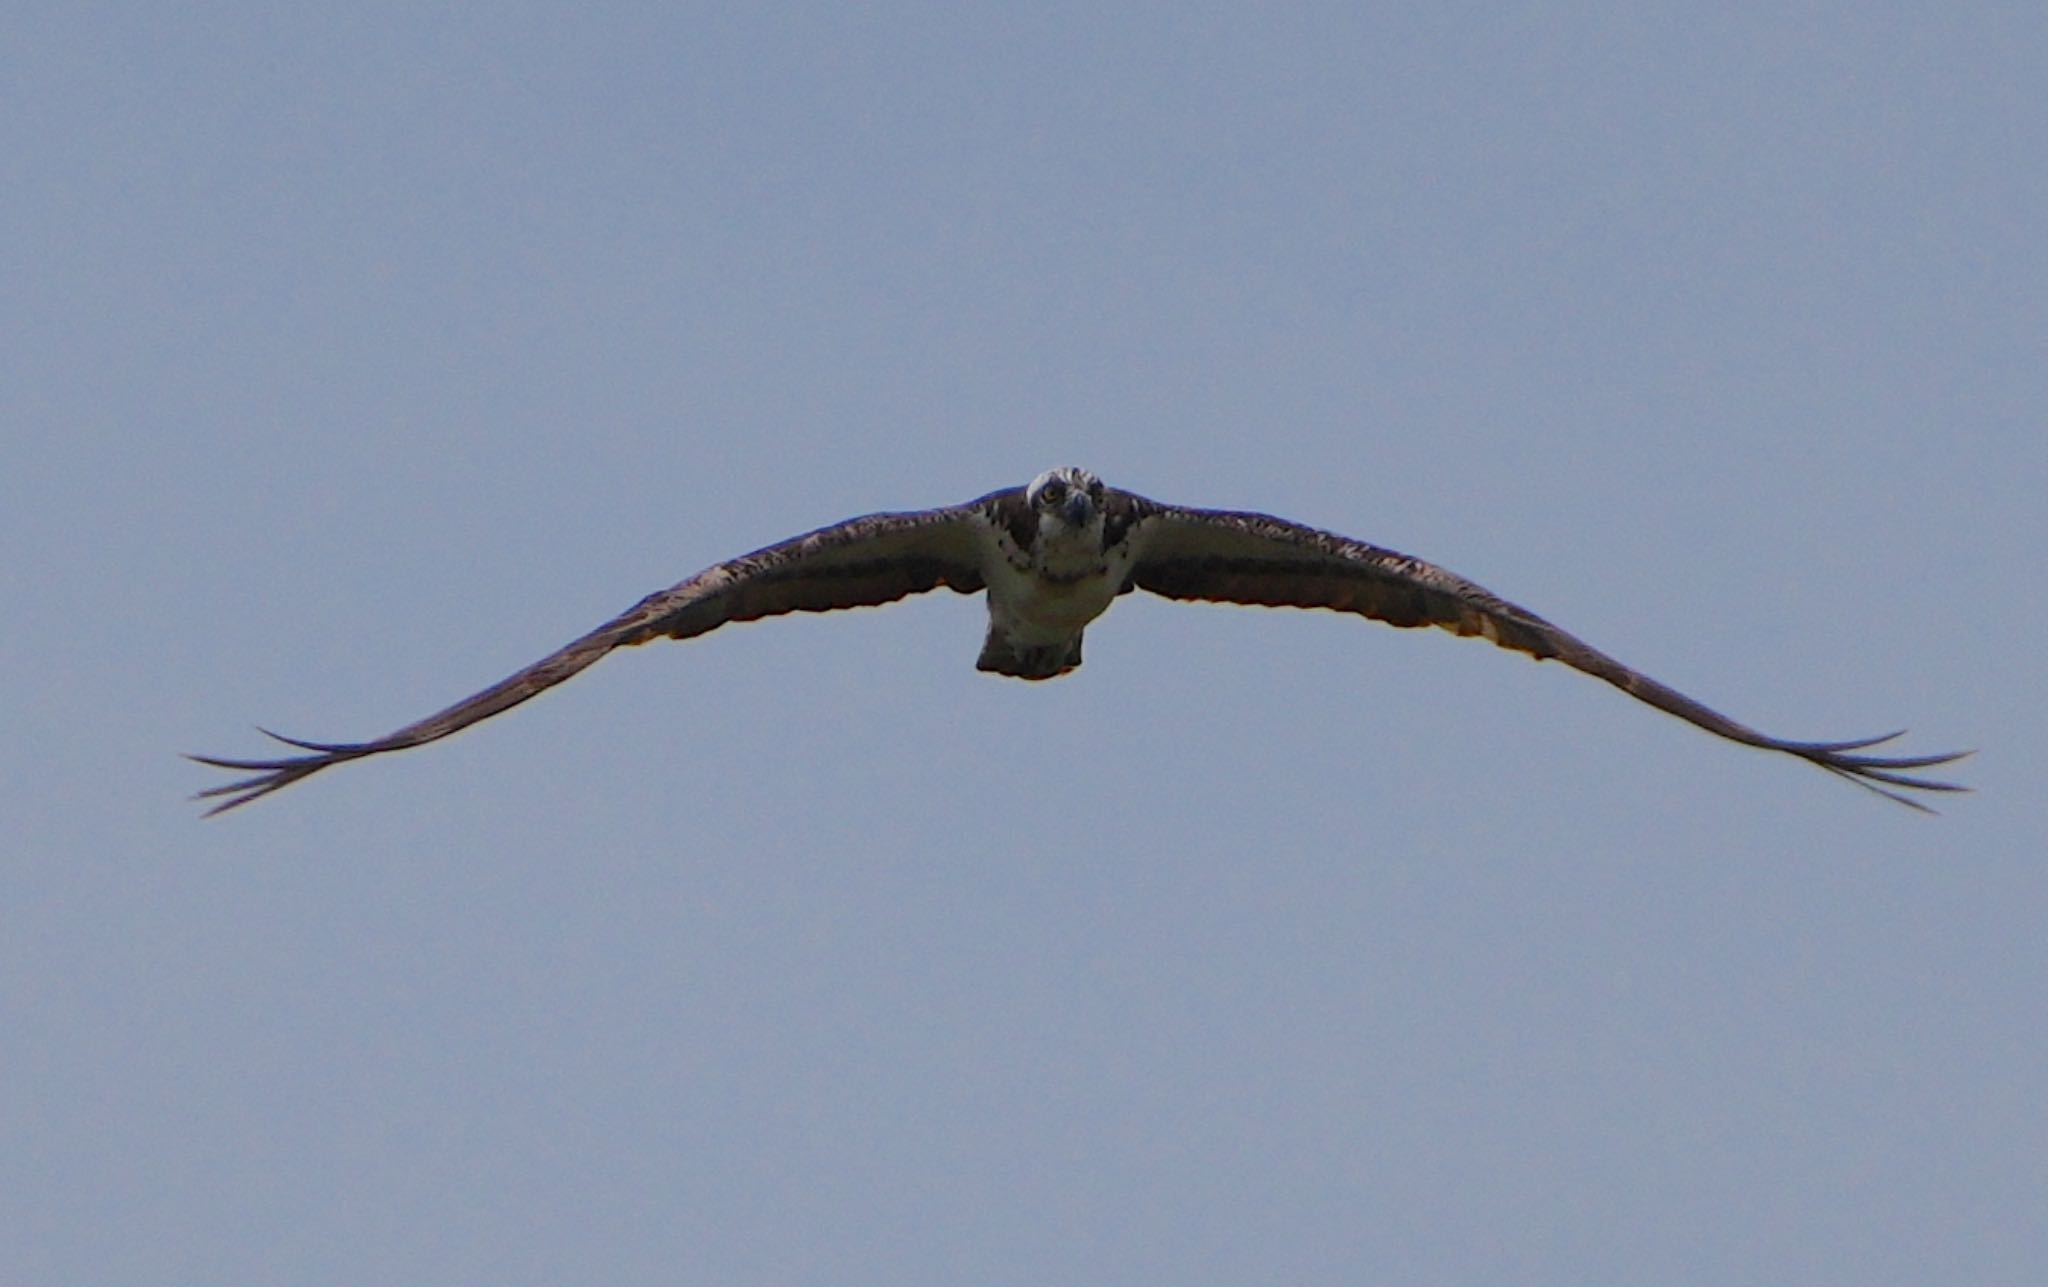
(1078, 509)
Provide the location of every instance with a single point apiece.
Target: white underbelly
(1032, 610)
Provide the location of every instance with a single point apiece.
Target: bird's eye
(1052, 491)
(1095, 489)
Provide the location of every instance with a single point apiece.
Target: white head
(1068, 503)
(1065, 500)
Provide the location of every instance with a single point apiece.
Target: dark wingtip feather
(1836, 748)
(1869, 771)
(343, 749)
(272, 775)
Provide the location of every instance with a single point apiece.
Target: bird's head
(1068, 502)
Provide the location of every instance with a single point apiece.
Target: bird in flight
(1052, 557)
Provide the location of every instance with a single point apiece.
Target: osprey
(1053, 556)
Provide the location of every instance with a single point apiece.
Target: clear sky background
(357, 356)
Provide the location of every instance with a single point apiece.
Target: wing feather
(875, 559)
(1233, 557)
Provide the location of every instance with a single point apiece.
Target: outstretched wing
(875, 559)
(1235, 557)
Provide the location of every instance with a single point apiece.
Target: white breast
(1034, 608)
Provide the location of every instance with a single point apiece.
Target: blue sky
(358, 358)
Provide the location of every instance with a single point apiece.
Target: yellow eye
(1053, 490)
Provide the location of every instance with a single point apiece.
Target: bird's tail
(1004, 656)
